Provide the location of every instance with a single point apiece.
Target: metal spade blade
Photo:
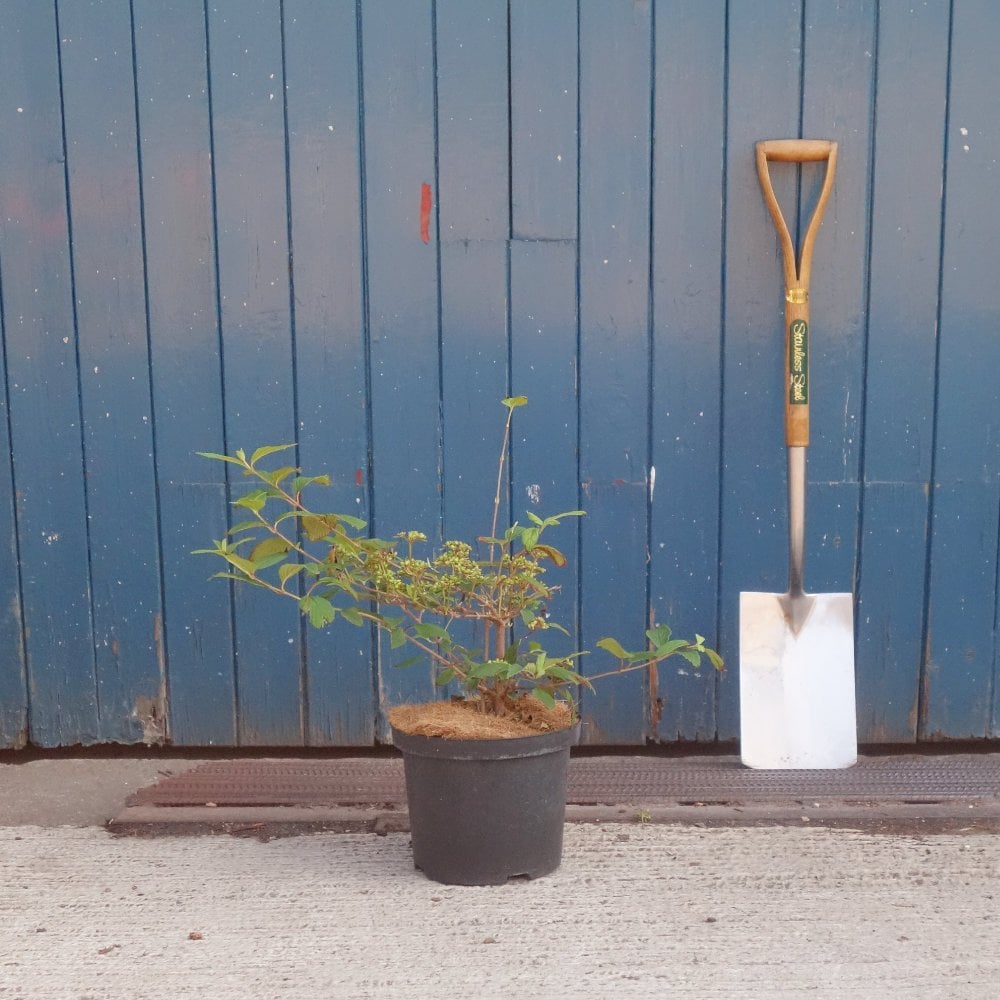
(797, 706)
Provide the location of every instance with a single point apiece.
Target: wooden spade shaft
(797, 388)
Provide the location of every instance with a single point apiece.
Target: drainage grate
(592, 781)
(339, 782)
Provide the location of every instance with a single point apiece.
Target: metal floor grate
(592, 781)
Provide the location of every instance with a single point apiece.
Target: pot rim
(506, 747)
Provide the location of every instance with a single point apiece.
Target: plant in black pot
(485, 768)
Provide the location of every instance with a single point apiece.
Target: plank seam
(437, 267)
(923, 688)
(859, 545)
(15, 523)
(296, 422)
(164, 660)
(651, 714)
(373, 638)
(234, 662)
(723, 235)
(579, 335)
(76, 355)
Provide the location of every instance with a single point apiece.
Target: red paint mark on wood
(426, 201)
(359, 478)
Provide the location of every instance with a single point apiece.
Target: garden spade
(797, 706)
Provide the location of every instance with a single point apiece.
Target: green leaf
(352, 615)
(396, 638)
(239, 562)
(254, 500)
(320, 611)
(220, 458)
(299, 483)
(669, 648)
(268, 561)
(511, 655)
(566, 513)
(427, 630)
(351, 521)
(269, 547)
(693, 657)
(715, 659)
(268, 449)
(545, 697)
(445, 677)
(410, 661)
(233, 546)
(529, 537)
(243, 526)
(554, 554)
(535, 519)
(658, 635)
(317, 527)
(562, 674)
(613, 647)
(275, 477)
(513, 402)
(286, 572)
(491, 668)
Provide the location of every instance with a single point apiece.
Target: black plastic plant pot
(485, 811)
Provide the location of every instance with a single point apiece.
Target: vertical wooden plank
(474, 381)
(962, 640)
(615, 79)
(473, 171)
(399, 136)
(543, 280)
(175, 149)
(13, 673)
(545, 432)
(994, 730)
(252, 231)
(99, 108)
(543, 93)
(472, 119)
(688, 145)
(473, 166)
(13, 677)
(474, 377)
(321, 70)
(764, 52)
(42, 380)
(837, 80)
(900, 366)
(837, 102)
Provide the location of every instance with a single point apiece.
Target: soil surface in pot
(465, 719)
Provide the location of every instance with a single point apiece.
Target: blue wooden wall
(358, 225)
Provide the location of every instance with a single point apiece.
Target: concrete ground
(637, 910)
(84, 791)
